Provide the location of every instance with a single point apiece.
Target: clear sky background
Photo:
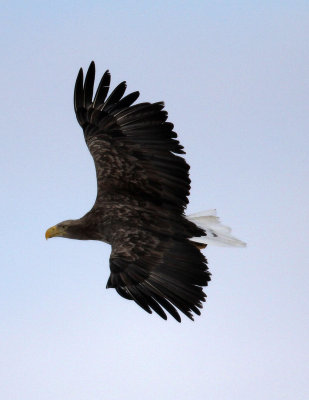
(235, 79)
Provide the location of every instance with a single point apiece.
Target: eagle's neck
(81, 229)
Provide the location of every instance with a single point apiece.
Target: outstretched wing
(158, 273)
(133, 147)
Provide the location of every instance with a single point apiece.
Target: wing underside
(159, 274)
(134, 149)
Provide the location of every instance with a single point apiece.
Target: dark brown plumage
(142, 191)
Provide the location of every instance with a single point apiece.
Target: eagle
(143, 186)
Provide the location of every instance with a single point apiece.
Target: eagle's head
(81, 229)
(63, 229)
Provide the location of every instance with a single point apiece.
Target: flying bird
(142, 192)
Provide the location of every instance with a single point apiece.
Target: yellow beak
(51, 232)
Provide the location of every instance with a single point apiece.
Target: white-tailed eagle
(142, 191)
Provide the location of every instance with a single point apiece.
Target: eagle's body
(143, 188)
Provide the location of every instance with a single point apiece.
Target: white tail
(217, 234)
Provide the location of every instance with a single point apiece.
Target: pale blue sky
(235, 80)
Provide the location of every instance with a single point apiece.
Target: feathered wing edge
(142, 128)
(168, 279)
(216, 233)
